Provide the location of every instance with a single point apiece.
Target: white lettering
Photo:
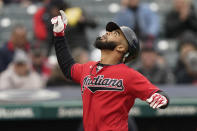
(69, 112)
(16, 113)
(178, 110)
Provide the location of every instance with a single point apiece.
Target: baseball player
(108, 87)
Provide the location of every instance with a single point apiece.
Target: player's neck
(110, 57)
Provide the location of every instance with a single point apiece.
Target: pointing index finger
(64, 17)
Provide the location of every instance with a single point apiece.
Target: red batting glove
(59, 23)
(157, 100)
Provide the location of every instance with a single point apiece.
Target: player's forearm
(64, 57)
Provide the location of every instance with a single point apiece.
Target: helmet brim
(112, 26)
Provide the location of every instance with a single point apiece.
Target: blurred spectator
(43, 29)
(1, 4)
(40, 63)
(151, 67)
(141, 18)
(78, 21)
(124, 3)
(19, 74)
(80, 55)
(180, 19)
(18, 40)
(40, 29)
(185, 70)
(57, 78)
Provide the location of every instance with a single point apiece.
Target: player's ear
(121, 48)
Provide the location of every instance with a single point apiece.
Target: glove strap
(58, 33)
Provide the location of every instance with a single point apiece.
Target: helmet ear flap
(126, 55)
(127, 59)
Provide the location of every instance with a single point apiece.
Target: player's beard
(104, 45)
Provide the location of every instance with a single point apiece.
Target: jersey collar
(100, 64)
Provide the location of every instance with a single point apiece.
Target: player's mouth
(102, 38)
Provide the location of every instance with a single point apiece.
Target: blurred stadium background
(57, 104)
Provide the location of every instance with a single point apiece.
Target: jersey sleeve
(140, 86)
(76, 72)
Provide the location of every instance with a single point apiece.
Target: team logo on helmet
(100, 83)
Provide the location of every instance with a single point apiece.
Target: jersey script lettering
(100, 83)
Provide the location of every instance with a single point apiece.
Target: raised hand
(59, 23)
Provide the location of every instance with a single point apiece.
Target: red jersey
(109, 94)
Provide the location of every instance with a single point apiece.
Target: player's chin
(104, 45)
(99, 43)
